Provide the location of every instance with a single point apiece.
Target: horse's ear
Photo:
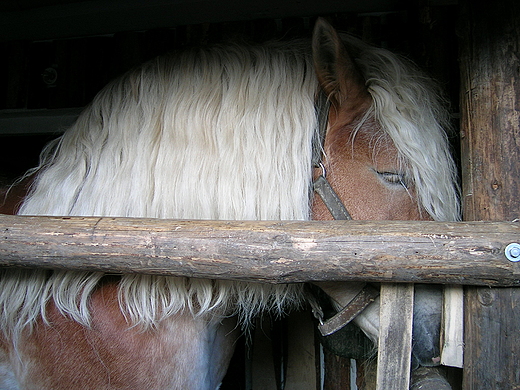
(337, 72)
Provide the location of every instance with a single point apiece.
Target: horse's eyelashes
(393, 178)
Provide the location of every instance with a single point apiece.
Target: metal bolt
(512, 252)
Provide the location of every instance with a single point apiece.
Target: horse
(225, 131)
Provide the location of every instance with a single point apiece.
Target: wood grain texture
(274, 252)
(490, 105)
(452, 348)
(395, 336)
(490, 138)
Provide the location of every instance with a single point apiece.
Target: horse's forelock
(410, 109)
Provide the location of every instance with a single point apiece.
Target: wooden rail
(470, 253)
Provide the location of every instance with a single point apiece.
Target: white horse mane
(410, 109)
(217, 133)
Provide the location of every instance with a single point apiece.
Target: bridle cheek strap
(321, 185)
(329, 197)
(338, 211)
(367, 294)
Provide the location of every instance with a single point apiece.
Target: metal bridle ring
(323, 170)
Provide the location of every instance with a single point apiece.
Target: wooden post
(395, 336)
(490, 103)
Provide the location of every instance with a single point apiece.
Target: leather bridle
(337, 209)
(321, 185)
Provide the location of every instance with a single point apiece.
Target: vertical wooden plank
(395, 336)
(490, 138)
(490, 104)
(71, 70)
(291, 339)
(492, 339)
(13, 78)
(42, 60)
(261, 354)
(301, 354)
(453, 325)
(337, 373)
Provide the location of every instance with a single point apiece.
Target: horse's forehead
(367, 142)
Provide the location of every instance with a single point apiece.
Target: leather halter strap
(338, 211)
(321, 185)
(364, 297)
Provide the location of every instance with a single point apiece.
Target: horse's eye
(393, 178)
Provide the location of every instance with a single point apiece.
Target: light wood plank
(453, 327)
(395, 336)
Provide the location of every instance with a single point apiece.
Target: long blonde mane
(216, 133)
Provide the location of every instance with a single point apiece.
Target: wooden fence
(469, 253)
(490, 134)
(395, 253)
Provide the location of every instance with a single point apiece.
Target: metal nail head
(512, 252)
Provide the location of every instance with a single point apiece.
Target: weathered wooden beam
(269, 251)
(490, 138)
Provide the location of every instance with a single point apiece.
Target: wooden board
(492, 339)
(490, 137)
(282, 353)
(452, 351)
(395, 336)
